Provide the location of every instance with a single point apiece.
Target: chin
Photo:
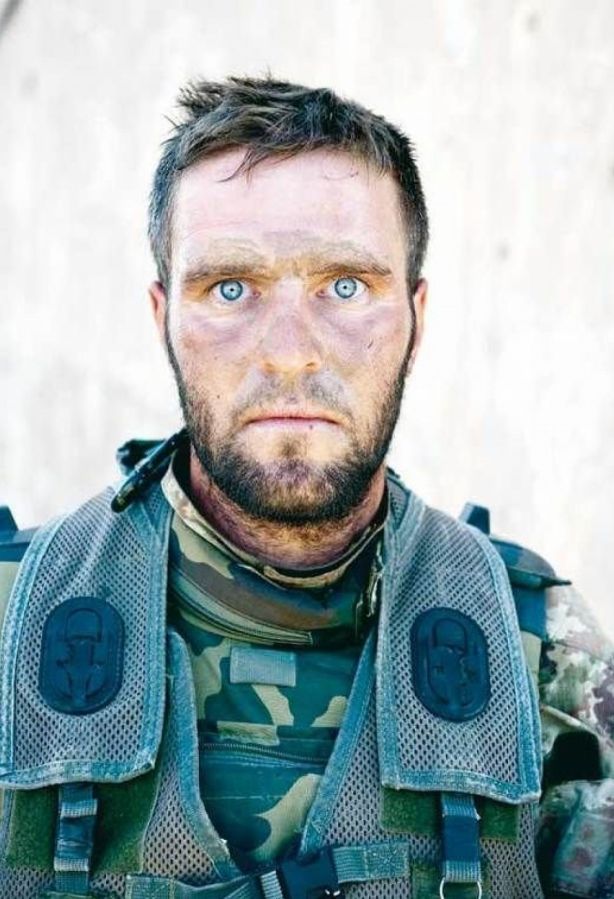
(292, 491)
(293, 482)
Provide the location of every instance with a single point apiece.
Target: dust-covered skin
(290, 390)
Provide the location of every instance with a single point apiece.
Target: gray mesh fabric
(446, 572)
(23, 884)
(110, 563)
(496, 751)
(513, 873)
(174, 843)
(169, 827)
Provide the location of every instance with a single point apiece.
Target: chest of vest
(442, 719)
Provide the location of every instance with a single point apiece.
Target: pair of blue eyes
(344, 288)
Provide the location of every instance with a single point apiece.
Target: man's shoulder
(575, 669)
(13, 545)
(141, 462)
(13, 542)
(576, 662)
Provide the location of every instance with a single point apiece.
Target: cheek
(374, 344)
(210, 351)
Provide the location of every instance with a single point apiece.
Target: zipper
(254, 749)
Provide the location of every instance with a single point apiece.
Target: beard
(291, 490)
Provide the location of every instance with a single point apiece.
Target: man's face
(289, 328)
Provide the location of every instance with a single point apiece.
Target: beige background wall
(510, 107)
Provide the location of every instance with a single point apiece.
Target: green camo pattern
(575, 840)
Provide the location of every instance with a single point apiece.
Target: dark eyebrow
(365, 265)
(331, 257)
(224, 265)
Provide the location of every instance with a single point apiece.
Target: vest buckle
(312, 877)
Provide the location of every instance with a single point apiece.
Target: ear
(158, 301)
(420, 299)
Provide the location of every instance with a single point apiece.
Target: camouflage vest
(432, 785)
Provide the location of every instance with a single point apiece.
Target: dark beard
(276, 492)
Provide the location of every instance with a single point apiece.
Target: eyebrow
(362, 264)
(224, 264)
(326, 261)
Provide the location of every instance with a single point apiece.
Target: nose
(289, 343)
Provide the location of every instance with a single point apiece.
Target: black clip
(146, 471)
(311, 877)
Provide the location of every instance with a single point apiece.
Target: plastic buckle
(311, 877)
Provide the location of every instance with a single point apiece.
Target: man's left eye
(347, 288)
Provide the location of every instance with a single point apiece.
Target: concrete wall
(510, 107)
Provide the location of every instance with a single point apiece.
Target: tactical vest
(431, 788)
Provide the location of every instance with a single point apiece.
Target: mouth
(293, 418)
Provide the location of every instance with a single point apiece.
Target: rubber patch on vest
(450, 664)
(82, 658)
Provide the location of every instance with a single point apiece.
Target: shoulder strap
(529, 573)
(13, 542)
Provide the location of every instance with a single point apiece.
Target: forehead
(287, 207)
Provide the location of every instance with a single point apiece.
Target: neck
(282, 545)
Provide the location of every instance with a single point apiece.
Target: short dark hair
(277, 118)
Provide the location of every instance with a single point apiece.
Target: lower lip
(292, 423)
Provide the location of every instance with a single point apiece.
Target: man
(342, 702)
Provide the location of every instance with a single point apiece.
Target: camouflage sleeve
(575, 842)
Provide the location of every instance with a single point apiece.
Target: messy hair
(276, 118)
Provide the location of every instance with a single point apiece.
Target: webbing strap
(74, 841)
(271, 888)
(461, 840)
(377, 861)
(144, 887)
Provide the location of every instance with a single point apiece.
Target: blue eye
(231, 290)
(348, 288)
